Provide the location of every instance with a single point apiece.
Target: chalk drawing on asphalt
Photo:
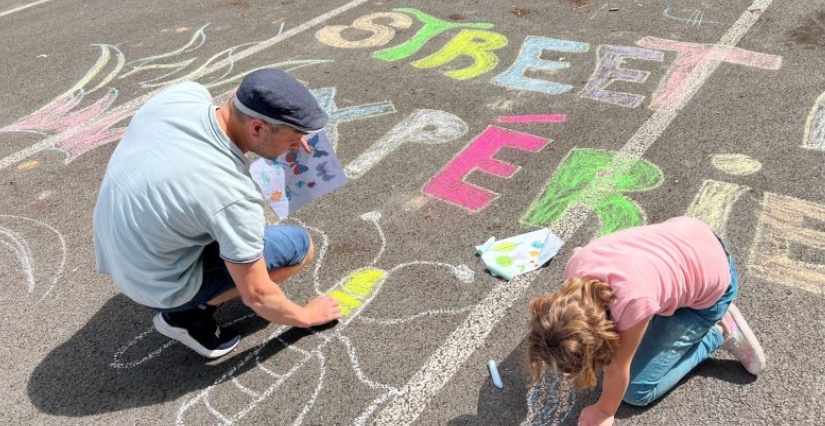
(355, 291)
(16, 234)
(599, 181)
(75, 128)
(475, 328)
(815, 126)
(788, 243)
(422, 126)
(450, 183)
(696, 17)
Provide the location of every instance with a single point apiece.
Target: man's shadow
(91, 373)
(509, 406)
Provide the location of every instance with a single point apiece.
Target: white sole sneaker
(748, 351)
(181, 335)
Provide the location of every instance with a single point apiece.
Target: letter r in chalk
(449, 184)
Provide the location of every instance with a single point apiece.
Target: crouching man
(179, 222)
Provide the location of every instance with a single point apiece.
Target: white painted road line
(23, 7)
(469, 336)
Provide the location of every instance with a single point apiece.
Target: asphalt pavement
(455, 122)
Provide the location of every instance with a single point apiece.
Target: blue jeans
(283, 246)
(672, 346)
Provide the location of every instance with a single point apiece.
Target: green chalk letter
(476, 44)
(432, 27)
(585, 177)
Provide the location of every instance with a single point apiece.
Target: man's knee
(310, 252)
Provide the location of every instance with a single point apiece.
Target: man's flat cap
(278, 98)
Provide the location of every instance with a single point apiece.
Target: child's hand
(593, 416)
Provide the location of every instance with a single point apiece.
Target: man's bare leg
(278, 275)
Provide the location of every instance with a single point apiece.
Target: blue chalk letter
(529, 59)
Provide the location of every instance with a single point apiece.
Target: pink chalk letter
(449, 184)
(552, 118)
(694, 60)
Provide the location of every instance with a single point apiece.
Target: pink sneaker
(741, 342)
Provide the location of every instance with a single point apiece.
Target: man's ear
(256, 127)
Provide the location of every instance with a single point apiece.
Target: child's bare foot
(741, 342)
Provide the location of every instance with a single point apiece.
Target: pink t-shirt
(656, 269)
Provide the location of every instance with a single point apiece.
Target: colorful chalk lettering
(379, 34)
(475, 44)
(589, 177)
(423, 126)
(449, 184)
(736, 164)
(432, 27)
(529, 59)
(326, 100)
(786, 224)
(714, 203)
(693, 60)
(609, 69)
(521, 119)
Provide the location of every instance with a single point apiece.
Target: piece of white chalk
(494, 374)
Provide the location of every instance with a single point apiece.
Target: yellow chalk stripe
(362, 282)
(348, 303)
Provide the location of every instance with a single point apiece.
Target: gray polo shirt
(174, 184)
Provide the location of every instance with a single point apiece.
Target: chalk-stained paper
(297, 177)
(519, 254)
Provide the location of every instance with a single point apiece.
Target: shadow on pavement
(79, 378)
(723, 369)
(509, 406)
(500, 407)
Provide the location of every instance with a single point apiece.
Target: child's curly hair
(571, 331)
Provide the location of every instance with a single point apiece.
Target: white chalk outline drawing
(552, 400)
(202, 399)
(697, 17)
(76, 131)
(18, 245)
(814, 137)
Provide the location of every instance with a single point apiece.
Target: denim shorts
(283, 246)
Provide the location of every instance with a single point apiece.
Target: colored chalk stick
(494, 374)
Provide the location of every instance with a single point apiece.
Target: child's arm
(617, 373)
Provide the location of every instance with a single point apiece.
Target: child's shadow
(552, 404)
(506, 406)
(509, 406)
(730, 371)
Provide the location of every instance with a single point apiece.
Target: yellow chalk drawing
(477, 44)
(736, 164)
(28, 165)
(381, 34)
(785, 224)
(714, 203)
(356, 288)
(355, 292)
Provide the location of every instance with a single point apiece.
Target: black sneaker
(198, 330)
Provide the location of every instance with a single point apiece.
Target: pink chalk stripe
(552, 118)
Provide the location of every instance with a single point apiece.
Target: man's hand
(322, 310)
(305, 144)
(593, 416)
